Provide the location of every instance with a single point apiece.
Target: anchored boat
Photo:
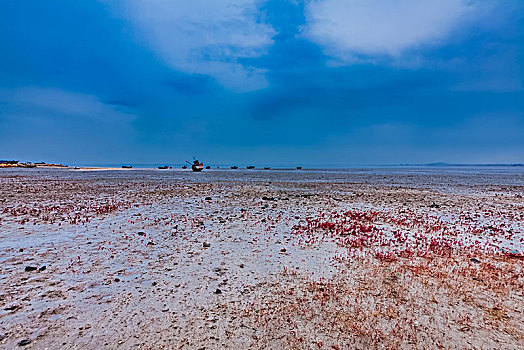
(196, 166)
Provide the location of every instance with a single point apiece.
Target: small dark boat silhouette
(163, 167)
(208, 167)
(184, 166)
(267, 168)
(234, 167)
(127, 167)
(196, 166)
(299, 167)
(250, 167)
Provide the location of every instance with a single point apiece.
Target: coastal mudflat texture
(142, 259)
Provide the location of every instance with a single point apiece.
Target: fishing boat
(196, 166)
(127, 167)
(250, 167)
(184, 166)
(234, 167)
(208, 167)
(163, 167)
(299, 167)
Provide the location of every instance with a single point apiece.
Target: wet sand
(362, 259)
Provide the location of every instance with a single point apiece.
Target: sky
(262, 82)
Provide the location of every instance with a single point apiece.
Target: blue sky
(265, 82)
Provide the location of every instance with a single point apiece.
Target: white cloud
(205, 37)
(349, 28)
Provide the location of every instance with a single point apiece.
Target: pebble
(218, 291)
(206, 244)
(24, 342)
(31, 268)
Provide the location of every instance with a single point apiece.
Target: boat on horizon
(234, 167)
(250, 167)
(163, 167)
(196, 166)
(127, 167)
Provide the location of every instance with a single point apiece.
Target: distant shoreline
(241, 167)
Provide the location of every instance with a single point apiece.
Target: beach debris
(241, 266)
(141, 233)
(218, 291)
(476, 261)
(31, 268)
(154, 283)
(12, 308)
(24, 342)
(283, 250)
(151, 243)
(206, 244)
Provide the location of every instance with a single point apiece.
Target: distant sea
(304, 166)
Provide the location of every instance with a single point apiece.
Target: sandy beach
(356, 259)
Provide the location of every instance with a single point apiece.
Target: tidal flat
(386, 258)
